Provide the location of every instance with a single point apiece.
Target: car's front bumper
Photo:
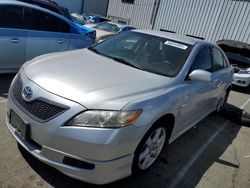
(103, 172)
(241, 80)
(110, 151)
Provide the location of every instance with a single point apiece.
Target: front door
(197, 95)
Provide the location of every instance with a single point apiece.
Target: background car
(27, 31)
(108, 29)
(89, 19)
(77, 18)
(238, 54)
(241, 65)
(242, 78)
(108, 110)
(93, 18)
(50, 5)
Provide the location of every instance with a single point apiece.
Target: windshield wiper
(94, 50)
(97, 51)
(120, 60)
(123, 61)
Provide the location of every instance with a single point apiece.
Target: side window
(218, 60)
(11, 17)
(42, 21)
(203, 60)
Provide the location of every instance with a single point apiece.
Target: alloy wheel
(152, 148)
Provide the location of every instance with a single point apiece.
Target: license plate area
(21, 127)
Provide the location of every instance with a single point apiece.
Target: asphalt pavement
(215, 153)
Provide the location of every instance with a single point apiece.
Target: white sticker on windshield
(177, 45)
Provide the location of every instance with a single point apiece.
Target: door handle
(14, 40)
(215, 81)
(60, 41)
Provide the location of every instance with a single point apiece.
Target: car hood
(94, 81)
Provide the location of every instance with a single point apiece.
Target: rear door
(12, 38)
(46, 33)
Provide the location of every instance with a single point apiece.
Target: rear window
(109, 27)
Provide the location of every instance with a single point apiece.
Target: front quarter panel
(156, 106)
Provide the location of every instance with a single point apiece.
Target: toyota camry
(103, 113)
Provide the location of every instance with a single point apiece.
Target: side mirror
(201, 75)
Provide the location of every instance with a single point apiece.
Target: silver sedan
(103, 113)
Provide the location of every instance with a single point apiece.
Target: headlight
(105, 118)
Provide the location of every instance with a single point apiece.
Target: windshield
(109, 27)
(146, 52)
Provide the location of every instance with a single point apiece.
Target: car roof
(50, 5)
(16, 2)
(173, 36)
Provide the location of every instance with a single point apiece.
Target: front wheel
(149, 149)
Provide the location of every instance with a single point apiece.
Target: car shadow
(5, 81)
(245, 90)
(236, 115)
(50, 174)
(169, 165)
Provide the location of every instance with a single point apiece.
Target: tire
(149, 148)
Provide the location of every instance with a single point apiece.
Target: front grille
(39, 109)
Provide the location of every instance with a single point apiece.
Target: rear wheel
(149, 149)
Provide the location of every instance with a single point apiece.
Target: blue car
(27, 31)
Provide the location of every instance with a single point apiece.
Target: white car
(241, 66)
(242, 78)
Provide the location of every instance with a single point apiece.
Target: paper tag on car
(175, 44)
